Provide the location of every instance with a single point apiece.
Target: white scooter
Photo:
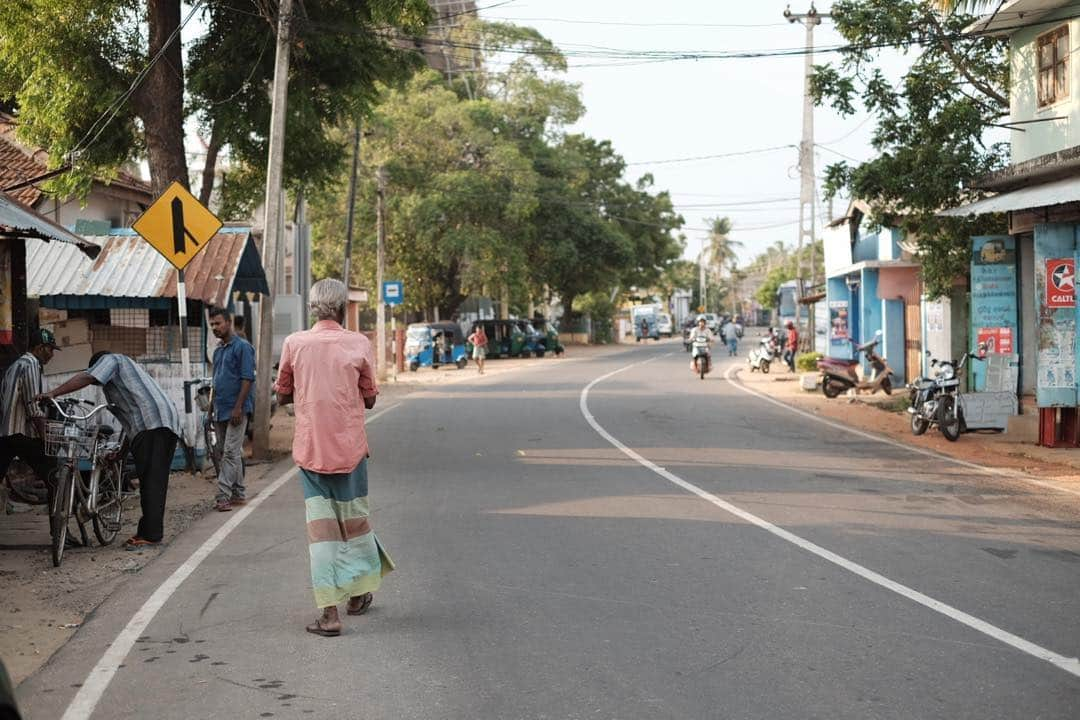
(760, 358)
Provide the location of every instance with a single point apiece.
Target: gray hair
(327, 299)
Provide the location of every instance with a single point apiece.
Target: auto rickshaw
(505, 338)
(435, 344)
(534, 339)
(549, 336)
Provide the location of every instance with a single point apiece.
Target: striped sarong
(346, 557)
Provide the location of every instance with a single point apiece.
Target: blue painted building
(872, 286)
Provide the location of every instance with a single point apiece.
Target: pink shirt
(328, 370)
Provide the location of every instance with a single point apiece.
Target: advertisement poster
(838, 322)
(1060, 283)
(1055, 316)
(997, 341)
(993, 299)
(7, 334)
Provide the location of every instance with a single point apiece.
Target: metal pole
(351, 211)
(272, 232)
(185, 353)
(393, 345)
(380, 263)
(701, 279)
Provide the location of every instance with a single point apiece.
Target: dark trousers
(153, 452)
(31, 451)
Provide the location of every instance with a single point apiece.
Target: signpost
(393, 293)
(179, 227)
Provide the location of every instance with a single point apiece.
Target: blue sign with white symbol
(393, 292)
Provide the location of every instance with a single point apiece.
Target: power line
(644, 25)
(717, 156)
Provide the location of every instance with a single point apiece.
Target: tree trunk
(209, 172)
(160, 99)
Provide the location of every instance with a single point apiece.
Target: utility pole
(272, 231)
(701, 279)
(807, 231)
(352, 206)
(380, 265)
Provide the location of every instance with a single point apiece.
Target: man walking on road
(330, 374)
(234, 376)
(731, 338)
(152, 424)
(22, 420)
(479, 342)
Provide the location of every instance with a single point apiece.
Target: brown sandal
(317, 628)
(362, 607)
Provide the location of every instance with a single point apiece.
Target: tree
(929, 135)
(73, 84)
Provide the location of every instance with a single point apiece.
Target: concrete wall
(1039, 138)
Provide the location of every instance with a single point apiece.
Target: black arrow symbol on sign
(179, 231)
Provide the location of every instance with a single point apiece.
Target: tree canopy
(931, 125)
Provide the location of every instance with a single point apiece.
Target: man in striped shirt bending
(152, 425)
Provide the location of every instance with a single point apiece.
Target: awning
(19, 221)
(1057, 192)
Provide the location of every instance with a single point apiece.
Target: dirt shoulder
(885, 416)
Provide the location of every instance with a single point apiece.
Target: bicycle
(71, 440)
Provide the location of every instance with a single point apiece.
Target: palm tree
(721, 247)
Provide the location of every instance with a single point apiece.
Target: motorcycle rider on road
(695, 333)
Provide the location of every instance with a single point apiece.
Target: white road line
(1013, 474)
(85, 701)
(1069, 665)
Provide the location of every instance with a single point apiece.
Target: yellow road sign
(177, 225)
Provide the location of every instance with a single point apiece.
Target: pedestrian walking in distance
(731, 337)
(152, 424)
(234, 378)
(328, 372)
(479, 342)
(792, 346)
(22, 420)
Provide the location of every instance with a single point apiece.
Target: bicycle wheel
(110, 505)
(60, 512)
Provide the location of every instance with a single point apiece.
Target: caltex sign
(1060, 283)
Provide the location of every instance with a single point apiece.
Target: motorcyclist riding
(696, 333)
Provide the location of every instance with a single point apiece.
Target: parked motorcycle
(936, 400)
(840, 375)
(760, 358)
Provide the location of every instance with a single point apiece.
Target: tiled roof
(15, 167)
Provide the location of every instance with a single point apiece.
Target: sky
(670, 110)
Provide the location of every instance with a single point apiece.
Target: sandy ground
(884, 415)
(41, 606)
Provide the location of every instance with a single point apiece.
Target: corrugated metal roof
(1045, 195)
(18, 220)
(130, 267)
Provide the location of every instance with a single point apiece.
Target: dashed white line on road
(1068, 664)
(86, 699)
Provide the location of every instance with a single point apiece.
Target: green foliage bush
(807, 362)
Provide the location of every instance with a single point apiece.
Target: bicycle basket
(202, 398)
(69, 439)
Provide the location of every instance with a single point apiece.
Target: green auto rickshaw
(505, 338)
(549, 336)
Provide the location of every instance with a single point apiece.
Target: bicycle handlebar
(72, 402)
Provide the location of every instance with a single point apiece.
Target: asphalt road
(544, 572)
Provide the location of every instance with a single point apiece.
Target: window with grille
(1053, 55)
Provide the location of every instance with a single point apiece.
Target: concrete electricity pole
(380, 264)
(807, 231)
(347, 270)
(701, 279)
(273, 229)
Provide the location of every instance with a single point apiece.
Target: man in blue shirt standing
(234, 377)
